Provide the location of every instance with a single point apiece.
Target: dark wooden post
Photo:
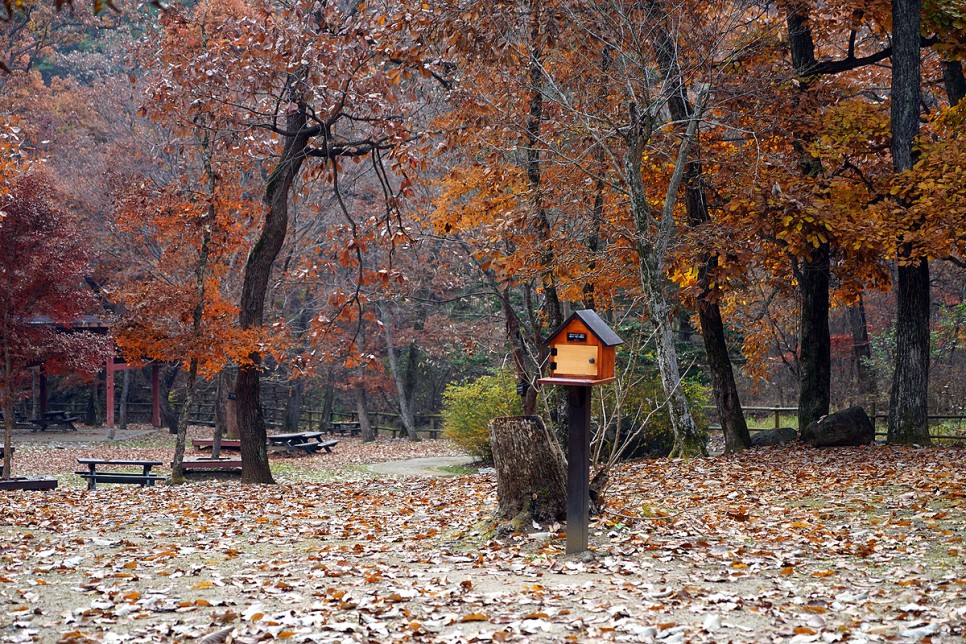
(578, 468)
(155, 396)
(43, 392)
(109, 391)
(581, 356)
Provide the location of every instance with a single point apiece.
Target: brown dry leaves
(57, 453)
(797, 545)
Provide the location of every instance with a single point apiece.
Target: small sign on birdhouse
(582, 351)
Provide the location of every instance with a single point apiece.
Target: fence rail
(777, 412)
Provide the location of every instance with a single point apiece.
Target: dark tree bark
(222, 415)
(954, 81)
(519, 352)
(815, 353)
(411, 376)
(328, 395)
(732, 419)
(862, 352)
(815, 356)
(93, 403)
(295, 392)
(293, 405)
(258, 270)
(531, 471)
(362, 412)
(597, 210)
(405, 412)
(551, 305)
(908, 421)
(169, 416)
(8, 413)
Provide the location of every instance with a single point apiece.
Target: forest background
(367, 202)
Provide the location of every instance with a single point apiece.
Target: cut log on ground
(531, 471)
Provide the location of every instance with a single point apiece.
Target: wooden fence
(775, 415)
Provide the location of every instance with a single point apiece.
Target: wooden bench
(310, 447)
(208, 443)
(308, 442)
(144, 478)
(350, 426)
(212, 465)
(59, 418)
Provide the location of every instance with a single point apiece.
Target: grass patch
(460, 470)
(763, 420)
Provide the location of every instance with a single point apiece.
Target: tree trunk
(531, 471)
(551, 306)
(293, 405)
(862, 353)
(653, 236)
(177, 472)
(90, 414)
(222, 394)
(258, 270)
(730, 414)
(815, 343)
(954, 81)
(908, 422)
(231, 416)
(169, 416)
(362, 412)
(519, 352)
(325, 423)
(687, 441)
(411, 377)
(404, 412)
(815, 346)
(7, 403)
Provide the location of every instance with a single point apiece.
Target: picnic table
(61, 418)
(144, 478)
(350, 426)
(207, 443)
(308, 442)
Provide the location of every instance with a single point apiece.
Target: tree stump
(531, 471)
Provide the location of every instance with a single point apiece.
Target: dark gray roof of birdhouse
(596, 326)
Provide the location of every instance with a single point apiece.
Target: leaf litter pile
(792, 545)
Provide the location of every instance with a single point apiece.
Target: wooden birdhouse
(582, 351)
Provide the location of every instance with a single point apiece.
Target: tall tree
(43, 261)
(730, 415)
(908, 401)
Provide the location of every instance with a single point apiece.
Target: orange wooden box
(582, 351)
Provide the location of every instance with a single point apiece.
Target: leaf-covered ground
(797, 545)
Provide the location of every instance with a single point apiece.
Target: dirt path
(432, 466)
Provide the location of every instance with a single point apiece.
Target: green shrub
(655, 437)
(469, 407)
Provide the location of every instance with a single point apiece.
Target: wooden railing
(777, 412)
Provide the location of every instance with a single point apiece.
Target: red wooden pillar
(109, 390)
(155, 396)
